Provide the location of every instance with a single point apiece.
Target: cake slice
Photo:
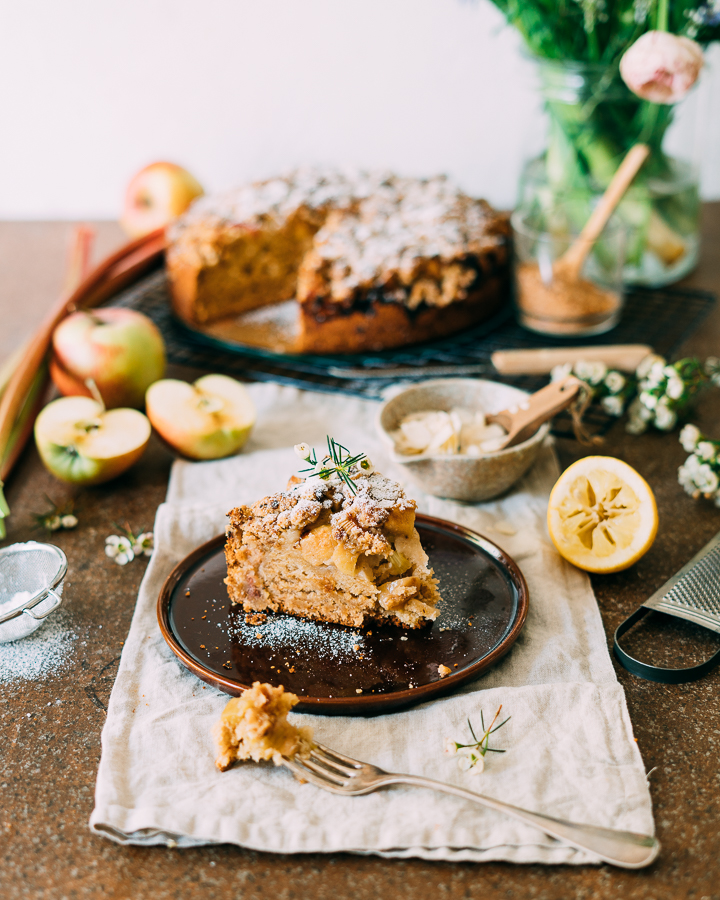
(255, 726)
(340, 546)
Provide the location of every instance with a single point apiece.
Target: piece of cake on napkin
(255, 726)
(339, 546)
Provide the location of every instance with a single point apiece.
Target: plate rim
(324, 361)
(370, 704)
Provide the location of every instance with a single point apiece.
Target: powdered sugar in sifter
(31, 576)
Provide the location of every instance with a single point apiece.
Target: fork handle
(621, 848)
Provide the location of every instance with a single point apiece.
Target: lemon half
(602, 514)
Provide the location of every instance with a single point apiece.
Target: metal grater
(692, 594)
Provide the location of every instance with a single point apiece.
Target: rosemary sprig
(338, 461)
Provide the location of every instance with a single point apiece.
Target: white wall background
(91, 90)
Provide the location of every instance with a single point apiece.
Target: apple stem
(93, 388)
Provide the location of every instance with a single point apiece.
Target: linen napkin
(569, 745)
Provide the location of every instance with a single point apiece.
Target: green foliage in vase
(595, 118)
(600, 31)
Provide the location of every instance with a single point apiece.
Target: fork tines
(325, 768)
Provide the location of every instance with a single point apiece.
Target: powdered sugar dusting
(379, 490)
(375, 488)
(46, 651)
(295, 636)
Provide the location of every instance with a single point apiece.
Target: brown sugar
(563, 306)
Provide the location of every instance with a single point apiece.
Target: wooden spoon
(523, 420)
(567, 268)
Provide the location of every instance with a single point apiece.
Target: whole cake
(373, 260)
(340, 546)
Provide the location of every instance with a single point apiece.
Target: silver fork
(340, 774)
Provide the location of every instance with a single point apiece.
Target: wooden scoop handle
(522, 421)
(571, 262)
(541, 360)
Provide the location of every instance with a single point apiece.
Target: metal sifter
(31, 577)
(692, 594)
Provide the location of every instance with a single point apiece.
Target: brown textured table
(50, 730)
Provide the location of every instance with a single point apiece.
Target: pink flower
(661, 67)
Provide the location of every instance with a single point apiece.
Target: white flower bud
(675, 387)
(464, 763)
(478, 765)
(592, 372)
(655, 376)
(557, 373)
(54, 523)
(614, 382)
(119, 548)
(612, 405)
(144, 543)
(636, 425)
(705, 450)
(69, 521)
(302, 450)
(643, 369)
(450, 746)
(648, 400)
(689, 437)
(366, 466)
(706, 480)
(665, 418)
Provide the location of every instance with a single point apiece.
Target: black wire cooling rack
(662, 317)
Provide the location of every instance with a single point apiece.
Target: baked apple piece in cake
(339, 546)
(255, 726)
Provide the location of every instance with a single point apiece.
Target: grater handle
(658, 673)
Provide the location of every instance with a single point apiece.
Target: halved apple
(81, 442)
(209, 419)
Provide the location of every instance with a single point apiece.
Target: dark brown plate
(337, 670)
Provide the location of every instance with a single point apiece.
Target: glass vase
(594, 119)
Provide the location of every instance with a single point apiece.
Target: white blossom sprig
(658, 394)
(60, 516)
(124, 548)
(667, 391)
(471, 757)
(119, 549)
(612, 389)
(699, 475)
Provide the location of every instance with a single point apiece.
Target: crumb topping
(356, 519)
(374, 227)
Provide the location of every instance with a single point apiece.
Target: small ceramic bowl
(461, 477)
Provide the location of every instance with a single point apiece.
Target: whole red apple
(120, 349)
(156, 195)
